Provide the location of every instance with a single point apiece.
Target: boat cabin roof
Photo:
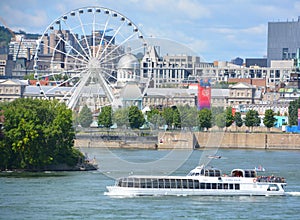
(205, 171)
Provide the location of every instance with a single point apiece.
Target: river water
(80, 195)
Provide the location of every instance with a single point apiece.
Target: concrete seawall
(191, 140)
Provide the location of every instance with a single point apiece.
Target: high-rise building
(283, 40)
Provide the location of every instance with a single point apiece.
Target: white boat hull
(259, 190)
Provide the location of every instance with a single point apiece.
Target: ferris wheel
(89, 51)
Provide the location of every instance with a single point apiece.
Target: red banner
(204, 95)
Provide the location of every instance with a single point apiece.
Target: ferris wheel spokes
(110, 41)
(84, 34)
(119, 45)
(121, 55)
(102, 36)
(71, 47)
(76, 38)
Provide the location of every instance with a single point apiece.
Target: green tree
(151, 113)
(252, 119)
(136, 117)
(229, 117)
(105, 117)
(176, 118)
(168, 116)
(155, 118)
(269, 118)
(238, 119)
(220, 120)
(120, 117)
(29, 76)
(37, 133)
(85, 117)
(188, 115)
(205, 118)
(293, 111)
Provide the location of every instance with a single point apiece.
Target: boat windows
(161, 183)
(191, 184)
(220, 185)
(202, 185)
(214, 186)
(130, 182)
(136, 182)
(179, 184)
(273, 187)
(173, 184)
(208, 185)
(149, 183)
(237, 173)
(225, 185)
(217, 173)
(253, 173)
(167, 183)
(184, 184)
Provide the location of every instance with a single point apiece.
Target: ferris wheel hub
(93, 64)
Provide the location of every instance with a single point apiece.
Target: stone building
(12, 89)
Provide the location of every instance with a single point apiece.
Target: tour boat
(200, 181)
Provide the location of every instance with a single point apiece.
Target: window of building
(285, 52)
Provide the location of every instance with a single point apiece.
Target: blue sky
(214, 29)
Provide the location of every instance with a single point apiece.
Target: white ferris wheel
(87, 50)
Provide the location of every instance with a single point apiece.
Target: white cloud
(192, 9)
(27, 20)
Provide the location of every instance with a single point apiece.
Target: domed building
(128, 69)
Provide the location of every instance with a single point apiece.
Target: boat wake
(292, 193)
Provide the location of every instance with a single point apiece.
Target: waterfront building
(241, 94)
(12, 89)
(283, 40)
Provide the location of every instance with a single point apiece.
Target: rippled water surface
(80, 195)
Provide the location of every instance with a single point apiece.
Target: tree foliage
(293, 112)
(238, 119)
(5, 36)
(172, 117)
(252, 119)
(155, 118)
(188, 115)
(136, 117)
(37, 133)
(120, 117)
(220, 120)
(176, 118)
(205, 118)
(105, 117)
(85, 117)
(269, 118)
(168, 116)
(229, 117)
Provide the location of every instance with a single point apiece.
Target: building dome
(128, 69)
(128, 61)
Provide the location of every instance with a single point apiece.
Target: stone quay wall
(196, 140)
